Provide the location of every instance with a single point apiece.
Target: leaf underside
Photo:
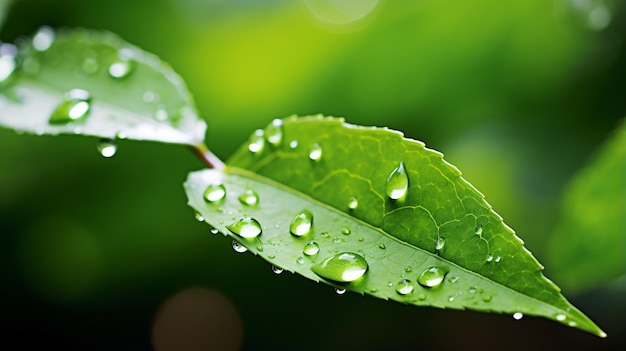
(488, 267)
(143, 99)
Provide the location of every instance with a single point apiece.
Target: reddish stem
(207, 157)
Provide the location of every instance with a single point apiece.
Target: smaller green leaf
(94, 83)
(4, 6)
(589, 245)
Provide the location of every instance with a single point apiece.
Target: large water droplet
(274, 132)
(518, 315)
(249, 197)
(7, 61)
(238, 247)
(107, 148)
(440, 243)
(257, 141)
(353, 203)
(397, 183)
(404, 287)
(342, 267)
(124, 65)
(277, 270)
(301, 224)
(43, 39)
(75, 106)
(311, 248)
(432, 277)
(246, 227)
(315, 153)
(214, 192)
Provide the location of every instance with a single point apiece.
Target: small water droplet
(342, 267)
(340, 291)
(560, 317)
(75, 106)
(338, 240)
(453, 279)
(7, 61)
(478, 230)
(345, 231)
(238, 247)
(214, 231)
(489, 258)
(382, 246)
(408, 269)
(315, 153)
(259, 248)
(274, 132)
(487, 298)
(432, 276)
(107, 148)
(421, 297)
(161, 114)
(440, 243)
(397, 183)
(450, 298)
(300, 260)
(404, 287)
(360, 238)
(311, 248)
(353, 203)
(472, 290)
(390, 284)
(124, 65)
(90, 63)
(151, 97)
(249, 197)
(271, 257)
(518, 315)
(199, 217)
(498, 259)
(572, 324)
(277, 270)
(257, 141)
(302, 223)
(214, 192)
(43, 39)
(246, 227)
(293, 144)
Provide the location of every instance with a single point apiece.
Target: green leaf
(4, 6)
(589, 244)
(94, 83)
(338, 172)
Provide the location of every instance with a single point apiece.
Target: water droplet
(397, 183)
(214, 231)
(518, 315)
(408, 269)
(214, 192)
(293, 144)
(90, 64)
(257, 141)
(560, 317)
(238, 247)
(124, 65)
(450, 298)
(7, 61)
(271, 257)
(301, 224)
(487, 298)
(311, 248)
(498, 259)
(300, 260)
(342, 267)
(404, 287)
(340, 291)
(246, 227)
(421, 297)
(573, 324)
(453, 279)
(440, 243)
(353, 203)
(360, 238)
(107, 148)
(199, 217)
(472, 290)
(489, 258)
(151, 97)
(249, 197)
(478, 230)
(382, 246)
(274, 132)
(432, 277)
(315, 153)
(277, 270)
(43, 39)
(75, 106)
(345, 231)
(161, 114)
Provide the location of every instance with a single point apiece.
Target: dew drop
(353, 203)
(199, 217)
(421, 297)
(408, 269)
(274, 132)
(342, 267)
(487, 298)
(257, 141)
(432, 277)
(161, 114)
(450, 298)
(340, 291)
(107, 148)
(302, 223)
(43, 39)
(382, 246)
(489, 258)
(440, 243)
(293, 144)
(360, 238)
(214, 231)
(277, 270)
(151, 97)
(90, 65)
(472, 290)
(518, 315)
(259, 248)
(560, 317)
(478, 230)
(345, 231)
(249, 197)
(246, 227)
(300, 260)
(315, 153)
(311, 248)
(271, 257)
(75, 106)
(498, 259)
(397, 183)
(453, 279)
(123, 66)
(214, 192)
(7, 61)
(238, 247)
(404, 287)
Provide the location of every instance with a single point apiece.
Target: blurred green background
(519, 95)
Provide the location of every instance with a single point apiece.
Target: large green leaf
(121, 91)
(4, 5)
(589, 244)
(441, 222)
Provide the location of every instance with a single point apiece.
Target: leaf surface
(589, 244)
(131, 93)
(339, 173)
